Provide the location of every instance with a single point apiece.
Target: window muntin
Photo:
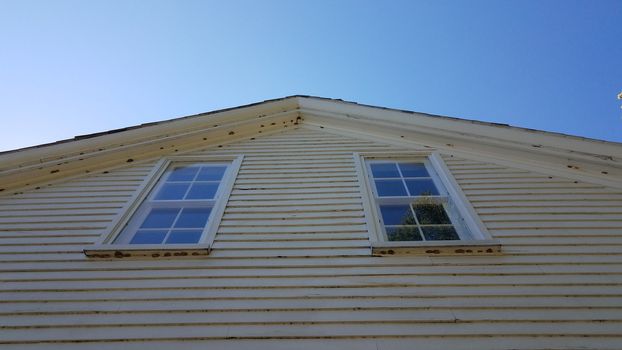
(412, 203)
(178, 208)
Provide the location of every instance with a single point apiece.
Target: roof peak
(312, 97)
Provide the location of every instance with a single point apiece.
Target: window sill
(155, 251)
(480, 247)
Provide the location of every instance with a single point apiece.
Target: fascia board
(594, 150)
(20, 178)
(64, 149)
(453, 135)
(469, 147)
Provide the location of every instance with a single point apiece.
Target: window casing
(187, 209)
(425, 211)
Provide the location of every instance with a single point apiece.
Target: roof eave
(28, 167)
(89, 153)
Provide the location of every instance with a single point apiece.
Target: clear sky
(76, 67)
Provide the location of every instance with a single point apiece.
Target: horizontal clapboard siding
(296, 194)
(65, 217)
(291, 264)
(536, 214)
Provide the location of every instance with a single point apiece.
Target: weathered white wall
(291, 264)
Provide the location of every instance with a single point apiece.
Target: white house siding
(291, 265)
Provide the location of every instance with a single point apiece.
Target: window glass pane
(403, 233)
(185, 173)
(424, 187)
(172, 191)
(439, 233)
(413, 170)
(390, 188)
(178, 208)
(148, 237)
(160, 218)
(430, 214)
(193, 217)
(184, 236)
(211, 173)
(384, 170)
(203, 190)
(397, 215)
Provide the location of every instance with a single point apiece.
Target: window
(178, 209)
(411, 200)
(413, 207)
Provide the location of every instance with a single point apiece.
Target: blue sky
(76, 67)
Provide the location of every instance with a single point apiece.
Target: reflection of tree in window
(404, 233)
(421, 213)
(429, 214)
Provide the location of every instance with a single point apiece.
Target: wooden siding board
(396, 343)
(292, 260)
(337, 281)
(362, 293)
(507, 304)
(310, 330)
(279, 271)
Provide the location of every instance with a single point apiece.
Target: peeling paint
(604, 157)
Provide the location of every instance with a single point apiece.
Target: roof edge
(319, 98)
(466, 120)
(143, 125)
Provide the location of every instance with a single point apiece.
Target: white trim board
(533, 161)
(20, 179)
(504, 133)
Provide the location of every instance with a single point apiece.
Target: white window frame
(149, 203)
(442, 198)
(463, 214)
(107, 246)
